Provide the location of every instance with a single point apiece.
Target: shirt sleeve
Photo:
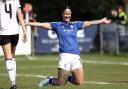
(54, 25)
(79, 25)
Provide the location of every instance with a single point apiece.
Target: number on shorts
(8, 9)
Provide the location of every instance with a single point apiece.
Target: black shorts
(5, 39)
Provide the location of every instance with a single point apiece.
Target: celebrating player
(9, 34)
(66, 31)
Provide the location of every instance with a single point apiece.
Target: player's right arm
(45, 25)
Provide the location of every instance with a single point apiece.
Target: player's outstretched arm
(94, 22)
(45, 25)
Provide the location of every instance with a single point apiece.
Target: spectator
(28, 12)
(114, 16)
(122, 15)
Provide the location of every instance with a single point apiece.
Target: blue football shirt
(67, 35)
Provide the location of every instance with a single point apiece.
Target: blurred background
(110, 38)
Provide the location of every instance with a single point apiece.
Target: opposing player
(9, 34)
(66, 31)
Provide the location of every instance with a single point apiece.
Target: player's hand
(24, 37)
(105, 20)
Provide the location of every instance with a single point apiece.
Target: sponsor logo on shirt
(68, 30)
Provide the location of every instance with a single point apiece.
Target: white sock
(11, 71)
(14, 63)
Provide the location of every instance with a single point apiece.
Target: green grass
(46, 65)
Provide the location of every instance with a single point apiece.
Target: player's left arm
(94, 22)
(22, 23)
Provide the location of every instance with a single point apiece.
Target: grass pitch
(101, 71)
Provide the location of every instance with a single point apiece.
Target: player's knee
(61, 83)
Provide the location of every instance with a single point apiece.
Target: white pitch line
(105, 62)
(88, 61)
(100, 83)
(37, 67)
(27, 75)
(83, 61)
(87, 82)
(98, 62)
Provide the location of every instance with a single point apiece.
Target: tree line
(51, 10)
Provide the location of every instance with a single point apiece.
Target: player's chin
(67, 20)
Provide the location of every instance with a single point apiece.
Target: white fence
(22, 48)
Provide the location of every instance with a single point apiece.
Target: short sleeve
(54, 25)
(79, 25)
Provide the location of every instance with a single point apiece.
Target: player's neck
(66, 21)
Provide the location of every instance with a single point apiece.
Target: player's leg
(9, 63)
(77, 77)
(13, 48)
(61, 80)
(6, 45)
(7, 51)
(14, 41)
(63, 69)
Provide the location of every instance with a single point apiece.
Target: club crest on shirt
(71, 26)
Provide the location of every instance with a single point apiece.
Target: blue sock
(51, 80)
(70, 79)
